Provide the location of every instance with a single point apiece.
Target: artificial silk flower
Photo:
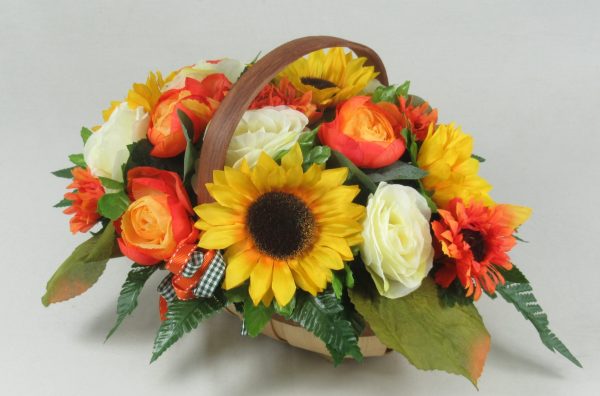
(475, 241)
(416, 118)
(106, 150)
(283, 93)
(231, 68)
(198, 100)
(158, 218)
(282, 228)
(396, 247)
(271, 130)
(332, 76)
(446, 155)
(364, 133)
(87, 190)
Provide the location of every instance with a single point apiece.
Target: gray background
(520, 76)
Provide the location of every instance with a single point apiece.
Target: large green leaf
(181, 318)
(111, 184)
(430, 335)
(256, 317)
(324, 316)
(131, 289)
(82, 269)
(191, 152)
(397, 171)
(521, 296)
(113, 205)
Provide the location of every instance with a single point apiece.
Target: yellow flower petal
(292, 158)
(215, 214)
(261, 279)
(221, 237)
(283, 285)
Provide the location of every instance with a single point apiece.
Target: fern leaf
(323, 315)
(521, 296)
(130, 291)
(181, 318)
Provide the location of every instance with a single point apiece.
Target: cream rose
(106, 151)
(270, 129)
(397, 249)
(231, 68)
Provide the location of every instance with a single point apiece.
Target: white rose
(231, 68)
(106, 151)
(397, 249)
(270, 129)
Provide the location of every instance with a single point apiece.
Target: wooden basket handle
(220, 130)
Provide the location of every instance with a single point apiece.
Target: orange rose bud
(159, 217)
(198, 100)
(364, 133)
(84, 200)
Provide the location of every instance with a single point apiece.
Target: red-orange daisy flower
(475, 240)
(84, 200)
(285, 94)
(418, 118)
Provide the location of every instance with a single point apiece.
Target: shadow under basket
(291, 333)
(218, 135)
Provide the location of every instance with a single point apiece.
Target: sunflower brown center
(318, 83)
(281, 225)
(476, 242)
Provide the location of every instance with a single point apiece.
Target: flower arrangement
(340, 204)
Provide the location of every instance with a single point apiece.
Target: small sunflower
(282, 227)
(331, 77)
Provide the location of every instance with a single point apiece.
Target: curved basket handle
(220, 130)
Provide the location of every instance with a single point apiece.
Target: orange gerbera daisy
(285, 94)
(84, 200)
(475, 240)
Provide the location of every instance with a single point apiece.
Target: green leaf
(191, 153)
(78, 160)
(518, 238)
(513, 275)
(287, 310)
(349, 276)
(307, 140)
(85, 134)
(130, 291)
(317, 155)
(385, 94)
(324, 316)
(139, 155)
(181, 318)
(111, 184)
(478, 158)
(397, 171)
(63, 203)
(430, 335)
(256, 317)
(341, 160)
(403, 89)
(237, 295)
(82, 268)
(337, 286)
(64, 173)
(113, 205)
(521, 296)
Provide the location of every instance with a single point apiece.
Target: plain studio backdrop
(521, 76)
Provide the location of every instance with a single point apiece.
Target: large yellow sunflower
(331, 77)
(282, 227)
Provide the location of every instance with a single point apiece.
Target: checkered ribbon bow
(199, 277)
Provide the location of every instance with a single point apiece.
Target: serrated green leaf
(64, 173)
(521, 296)
(82, 268)
(78, 160)
(256, 317)
(131, 289)
(181, 318)
(340, 159)
(478, 158)
(324, 316)
(111, 184)
(317, 155)
(431, 336)
(191, 153)
(85, 134)
(63, 203)
(113, 205)
(397, 171)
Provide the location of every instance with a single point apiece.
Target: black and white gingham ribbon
(212, 277)
(165, 288)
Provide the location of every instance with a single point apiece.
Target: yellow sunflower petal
(261, 279)
(301, 279)
(338, 244)
(216, 214)
(221, 237)
(239, 268)
(283, 285)
(292, 158)
(328, 258)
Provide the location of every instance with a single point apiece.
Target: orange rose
(84, 200)
(198, 100)
(364, 133)
(159, 217)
